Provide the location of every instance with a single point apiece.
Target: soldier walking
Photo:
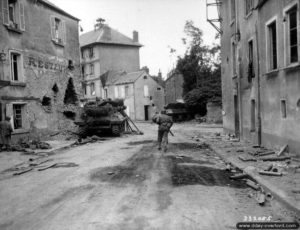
(165, 123)
(5, 133)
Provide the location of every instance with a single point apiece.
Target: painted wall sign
(45, 63)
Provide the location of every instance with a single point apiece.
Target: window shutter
(22, 16)
(63, 31)
(5, 12)
(10, 113)
(52, 24)
(116, 92)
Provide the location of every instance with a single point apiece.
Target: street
(126, 183)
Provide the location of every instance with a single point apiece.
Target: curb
(279, 194)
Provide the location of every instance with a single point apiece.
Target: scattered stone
(110, 173)
(239, 150)
(282, 150)
(252, 184)
(239, 176)
(260, 198)
(23, 171)
(246, 158)
(274, 158)
(267, 173)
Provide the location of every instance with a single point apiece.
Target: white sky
(160, 24)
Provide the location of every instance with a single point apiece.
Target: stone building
(105, 49)
(39, 67)
(260, 71)
(174, 87)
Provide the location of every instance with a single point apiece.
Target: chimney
(135, 36)
(146, 69)
(106, 32)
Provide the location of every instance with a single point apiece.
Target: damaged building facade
(260, 71)
(40, 67)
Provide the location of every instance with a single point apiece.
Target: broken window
(13, 14)
(70, 94)
(272, 45)
(17, 116)
(293, 35)
(16, 66)
(58, 30)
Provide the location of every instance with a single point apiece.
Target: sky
(160, 24)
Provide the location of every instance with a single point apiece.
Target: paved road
(126, 183)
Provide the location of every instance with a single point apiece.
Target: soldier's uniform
(5, 133)
(164, 125)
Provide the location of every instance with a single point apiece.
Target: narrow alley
(126, 183)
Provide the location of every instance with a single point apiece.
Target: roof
(260, 3)
(56, 8)
(159, 80)
(130, 77)
(106, 35)
(110, 77)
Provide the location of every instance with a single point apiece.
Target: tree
(201, 70)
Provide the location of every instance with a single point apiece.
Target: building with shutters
(39, 67)
(142, 95)
(260, 55)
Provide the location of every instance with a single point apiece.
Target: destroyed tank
(101, 117)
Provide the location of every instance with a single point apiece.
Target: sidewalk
(285, 188)
(10, 159)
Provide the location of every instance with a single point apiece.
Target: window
(283, 108)
(85, 90)
(292, 35)
(272, 45)
(145, 77)
(92, 87)
(146, 91)
(250, 61)
(13, 14)
(126, 90)
(91, 52)
(58, 30)
(17, 116)
(249, 6)
(233, 59)
(83, 70)
(158, 88)
(16, 66)
(122, 91)
(116, 92)
(232, 9)
(252, 128)
(105, 93)
(82, 54)
(91, 69)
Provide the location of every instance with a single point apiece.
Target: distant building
(39, 67)
(174, 87)
(142, 95)
(105, 49)
(260, 71)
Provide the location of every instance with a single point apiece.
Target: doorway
(146, 109)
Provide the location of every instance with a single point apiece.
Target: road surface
(126, 183)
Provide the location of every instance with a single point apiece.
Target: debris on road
(23, 171)
(274, 158)
(282, 150)
(260, 198)
(239, 176)
(268, 173)
(246, 158)
(252, 184)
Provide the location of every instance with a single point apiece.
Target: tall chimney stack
(135, 36)
(106, 32)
